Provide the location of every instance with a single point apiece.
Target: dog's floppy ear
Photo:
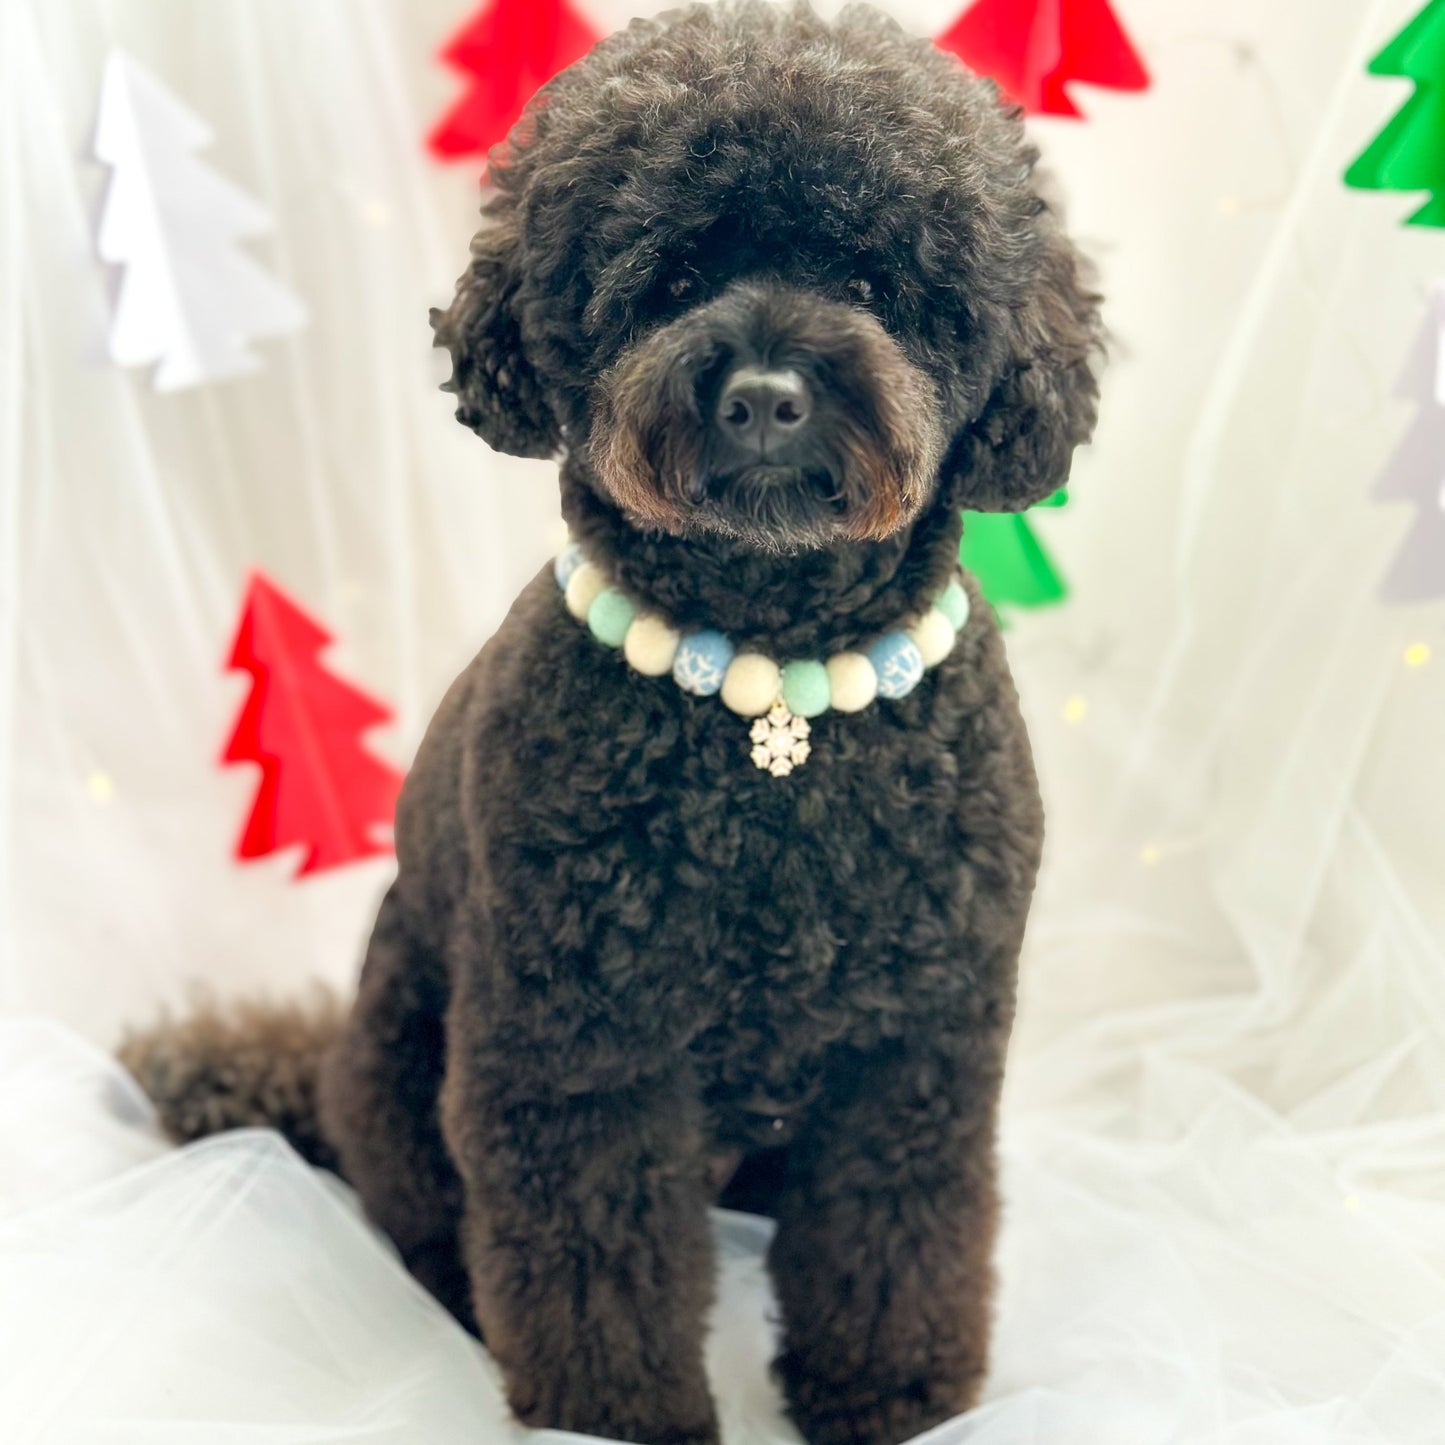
(499, 395)
(1019, 448)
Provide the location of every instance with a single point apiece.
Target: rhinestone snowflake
(780, 741)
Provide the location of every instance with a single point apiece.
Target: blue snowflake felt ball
(898, 663)
(567, 561)
(702, 660)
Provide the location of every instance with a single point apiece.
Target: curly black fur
(619, 964)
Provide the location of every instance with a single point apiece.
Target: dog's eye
(860, 290)
(681, 286)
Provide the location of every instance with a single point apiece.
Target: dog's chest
(801, 912)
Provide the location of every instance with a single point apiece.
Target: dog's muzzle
(769, 414)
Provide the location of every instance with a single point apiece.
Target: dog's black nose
(759, 409)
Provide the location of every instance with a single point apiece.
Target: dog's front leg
(882, 1259)
(587, 1241)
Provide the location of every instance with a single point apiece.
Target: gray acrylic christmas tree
(1416, 471)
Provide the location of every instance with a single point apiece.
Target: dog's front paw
(636, 1419)
(883, 1420)
(859, 1414)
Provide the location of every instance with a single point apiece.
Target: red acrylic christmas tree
(1034, 48)
(510, 49)
(303, 725)
(1409, 154)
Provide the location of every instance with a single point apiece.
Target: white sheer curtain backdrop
(1225, 1126)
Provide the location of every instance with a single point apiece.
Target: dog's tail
(247, 1065)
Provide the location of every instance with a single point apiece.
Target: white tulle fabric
(1224, 1134)
(1202, 1283)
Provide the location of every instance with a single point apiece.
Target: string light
(100, 787)
(1417, 654)
(1075, 709)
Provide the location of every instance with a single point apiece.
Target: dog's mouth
(771, 506)
(775, 481)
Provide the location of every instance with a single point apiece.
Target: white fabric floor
(1214, 1286)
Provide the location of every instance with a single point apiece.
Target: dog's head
(779, 279)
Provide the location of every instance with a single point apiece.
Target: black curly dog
(622, 972)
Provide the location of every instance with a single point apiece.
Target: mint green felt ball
(953, 603)
(610, 615)
(805, 688)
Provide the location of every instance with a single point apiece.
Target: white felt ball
(650, 645)
(583, 587)
(934, 635)
(852, 681)
(751, 684)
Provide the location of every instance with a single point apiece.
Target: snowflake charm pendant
(780, 741)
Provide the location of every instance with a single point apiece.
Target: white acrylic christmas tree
(190, 298)
(1416, 470)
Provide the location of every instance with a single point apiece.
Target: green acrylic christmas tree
(1409, 154)
(1001, 550)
